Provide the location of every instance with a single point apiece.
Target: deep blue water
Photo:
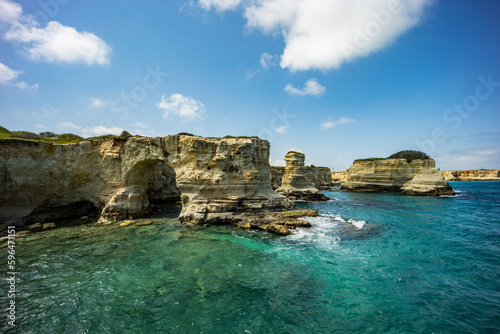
(374, 263)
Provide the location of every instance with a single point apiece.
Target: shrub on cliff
(47, 134)
(409, 155)
(24, 135)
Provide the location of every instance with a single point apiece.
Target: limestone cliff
(295, 183)
(471, 175)
(339, 177)
(418, 176)
(319, 176)
(117, 179)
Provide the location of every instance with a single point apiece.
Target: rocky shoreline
(471, 175)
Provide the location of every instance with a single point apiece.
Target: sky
(337, 80)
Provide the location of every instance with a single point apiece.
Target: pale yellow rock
(471, 175)
(119, 177)
(127, 223)
(427, 182)
(396, 174)
(295, 184)
(48, 225)
(34, 226)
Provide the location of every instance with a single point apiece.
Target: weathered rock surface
(319, 176)
(117, 179)
(427, 182)
(339, 177)
(471, 175)
(295, 183)
(395, 174)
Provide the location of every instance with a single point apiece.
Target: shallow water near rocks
(372, 263)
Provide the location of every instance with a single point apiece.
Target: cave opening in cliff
(158, 180)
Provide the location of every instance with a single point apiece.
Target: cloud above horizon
(324, 34)
(181, 106)
(8, 76)
(90, 131)
(54, 43)
(330, 123)
(311, 87)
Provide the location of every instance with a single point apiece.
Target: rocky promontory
(215, 179)
(417, 176)
(471, 175)
(295, 183)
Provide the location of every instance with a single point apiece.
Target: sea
(371, 263)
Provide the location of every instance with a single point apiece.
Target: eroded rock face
(394, 174)
(119, 178)
(471, 175)
(295, 183)
(319, 176)
(427, 182)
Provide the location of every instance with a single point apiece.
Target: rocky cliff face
(338, 177)
(295, 183)
(471, 175)
(118, 179)
(416, 177)
(319, 176)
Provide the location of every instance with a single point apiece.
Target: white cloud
(340, 157)
(140, 125)
(219, 5)
(10, 12)
(182, 106)
(485, 157)
(8, 76)
(55, 42)
(26, 86)
(311, 87)
(266, 60)
(330, 124)
(97, 103)
(324, 34)
(90, 131)
(282, 130)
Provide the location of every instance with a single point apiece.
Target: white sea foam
(359, 224)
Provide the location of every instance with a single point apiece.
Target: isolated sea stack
(409, 172)
(295, 183)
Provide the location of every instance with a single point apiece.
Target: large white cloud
(55, 42)
(324, 34)
(182, 106)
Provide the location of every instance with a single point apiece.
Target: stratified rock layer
(418, 177)
(471, 175)
(295, 183)
(117, 179)
(319, 176)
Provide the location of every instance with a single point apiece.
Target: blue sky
(337, 80)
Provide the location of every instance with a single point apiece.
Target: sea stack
(409, 172)
(295, 184)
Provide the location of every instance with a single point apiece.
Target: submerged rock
(295, 183)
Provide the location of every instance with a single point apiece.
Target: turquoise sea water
(375, 263)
